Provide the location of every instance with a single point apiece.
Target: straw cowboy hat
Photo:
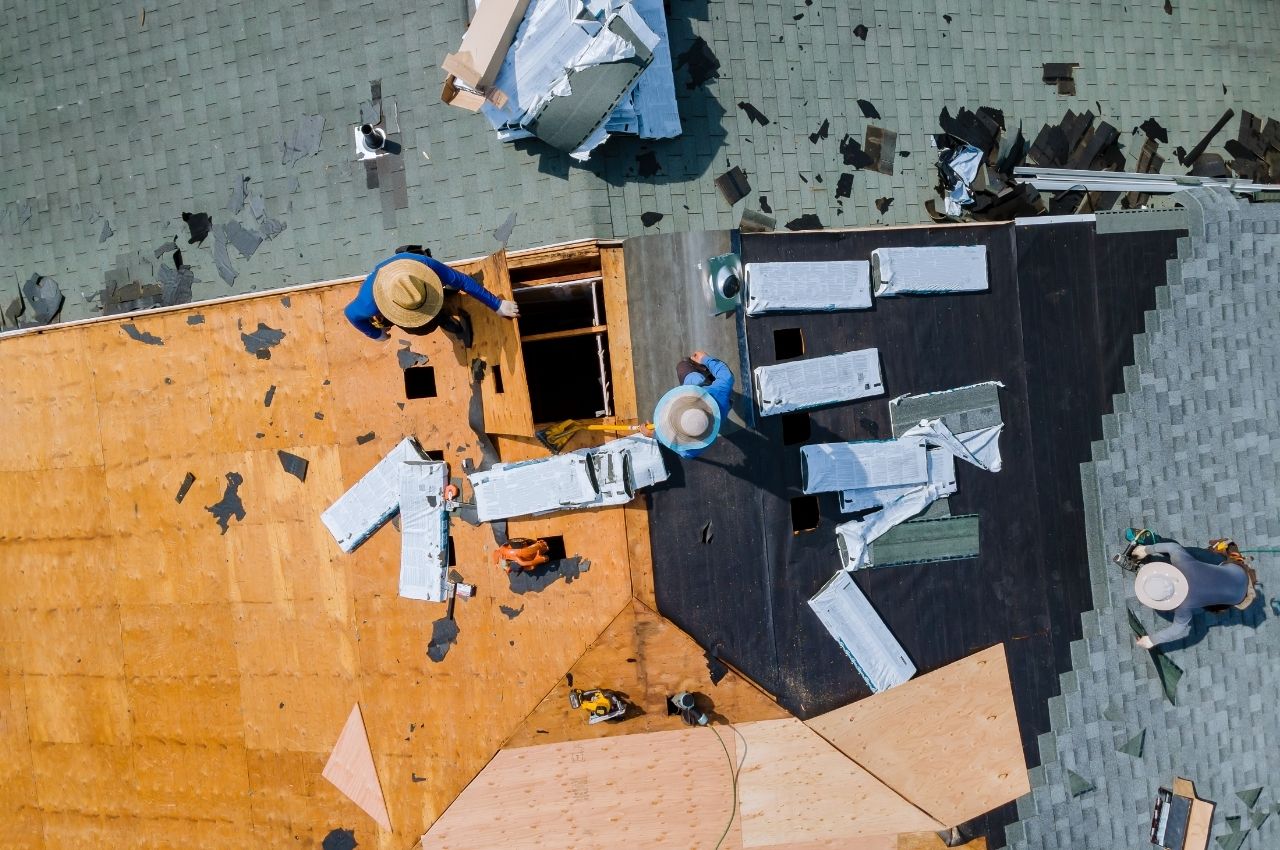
(687, 417)
(1160, 586)
(408, 293)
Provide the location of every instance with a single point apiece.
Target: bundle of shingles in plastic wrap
(571, 73)
(881, 483)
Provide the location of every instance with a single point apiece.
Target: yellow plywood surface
(165, 683)
(795, 787)
(948, 740)
(659, 790)
(614, 278)
(646, 658)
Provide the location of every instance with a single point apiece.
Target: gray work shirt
(1223, 583)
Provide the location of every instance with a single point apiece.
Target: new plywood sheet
(647, 658)
(948, 740)
(350, 769)
(795, 787)
(658, 790)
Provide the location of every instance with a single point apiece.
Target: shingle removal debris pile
(574, 72)
(1080, 165)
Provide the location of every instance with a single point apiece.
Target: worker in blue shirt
(409, 290)
(687, 419)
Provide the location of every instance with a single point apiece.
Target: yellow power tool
(599, 704)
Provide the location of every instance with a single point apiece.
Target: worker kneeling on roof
(687, 419)
(416, 293)
(1176, 580)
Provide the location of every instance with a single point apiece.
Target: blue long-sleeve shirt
(720, 389)
(363, 310)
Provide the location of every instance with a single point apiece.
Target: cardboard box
(483, 49)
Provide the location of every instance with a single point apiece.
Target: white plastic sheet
(372, 501)
(929, 271)
(808, 287)
(801, 384)
(424, 531)
(847, 614)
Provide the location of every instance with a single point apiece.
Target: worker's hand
(699, 357)
(1145, 642)
(647, 429)
(509, 309)
(1139, 552)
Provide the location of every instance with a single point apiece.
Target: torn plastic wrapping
(901, 500)
(587, 478)
(959, 167)
(560, 37)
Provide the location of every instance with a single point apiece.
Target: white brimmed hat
(408, 293)
(1160, 586)
(687, 417)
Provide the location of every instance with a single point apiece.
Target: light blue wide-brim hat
(686, 418)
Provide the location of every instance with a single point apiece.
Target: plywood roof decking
(647, 658)
(162, 682)
(948, 740)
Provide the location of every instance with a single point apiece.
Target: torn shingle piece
(808, 287)
(261, 341)
(131, 330)
(373, 500)
(293, 464)
(850, 618)
(733, 185)
(881, 146)
(270, 396)
(305, 141)
(821, 133)
(503, 233)
(868, 109)
(187, 481)
(649, 219)
(754, 115)
(844, 185)
(107, 232)
(271, 228)
(44, 297)
(883, 204)
(229, 506)
(222, 258)
(198, 226)
(818, 381)
(929, 271)
(239, 190)
(257, 207)
(246, 241)
(808, 221)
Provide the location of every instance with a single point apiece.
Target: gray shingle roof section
(110, 115)
(1189, 451)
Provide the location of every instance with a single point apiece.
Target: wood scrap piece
(660, 790)
(350, 769)
(948, 741)
(785, 785)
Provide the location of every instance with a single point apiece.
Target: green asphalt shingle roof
(140, 119)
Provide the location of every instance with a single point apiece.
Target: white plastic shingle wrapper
(866, 640)
(586, 478)
(802, 384)
(868, 464)
(424, 531)
(855, 537)
(808, 287)
(929, 271)
(942, 478)
(652, 104)
(372, 501)
(533, 486)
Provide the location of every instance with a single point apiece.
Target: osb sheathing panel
(659, 790)
(795, 788)
(168, 684)
(647, 658)
(948, 740)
